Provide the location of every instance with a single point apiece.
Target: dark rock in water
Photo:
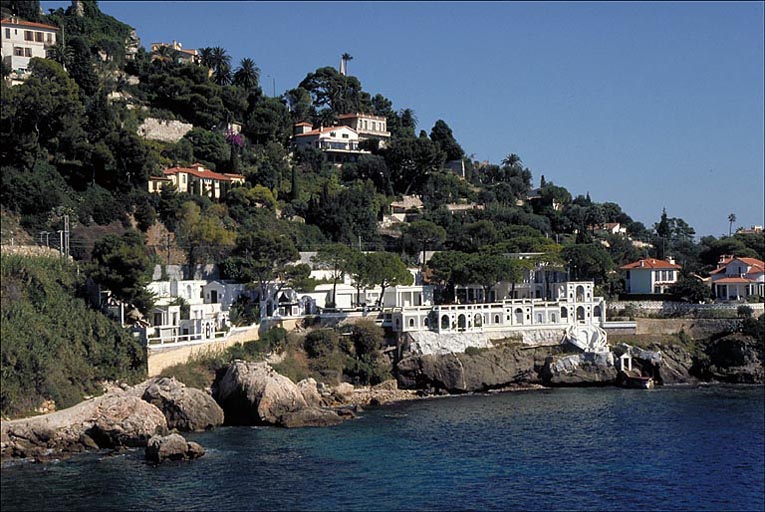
(736, 359)
(585, 369)
(172, 447)
(311, 417)
(186, 409)
(464, 373)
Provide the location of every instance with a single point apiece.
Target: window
(7, 33)
(27, 52)
(345, 135)
(28, 35)
(39, 37)
(50, 38)
(18, 52)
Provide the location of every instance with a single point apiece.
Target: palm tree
(511, 160)
(60, 53)
(205, 56)
(220, 63)
(344, 59)
(165, 56)
(247, 75)
(731, 220)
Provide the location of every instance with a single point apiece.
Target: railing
(184, 339)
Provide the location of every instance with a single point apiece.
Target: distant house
(367, 126)
(738, 278)
(181, 55)
(403, 210)
(339, 144)
(23, 41)
(196, 180)
(613, 228)
(650, 275)
(754, 230)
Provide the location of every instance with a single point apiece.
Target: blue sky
(648, 105)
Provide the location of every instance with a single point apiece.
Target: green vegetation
(54, 346)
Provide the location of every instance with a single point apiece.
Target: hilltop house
(339, 144)
(738, 278)
(650, 275)
(22, 41)
(196, 180)
(182, 56)
(367, 126)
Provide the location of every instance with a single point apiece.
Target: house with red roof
(339, 144)
(23, 41)
(650, 275)
(738, 279)
(196, 180)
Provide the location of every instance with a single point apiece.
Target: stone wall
(159, 359)
(163, 130)
(654, 307)
(30, 251)
(694, 327)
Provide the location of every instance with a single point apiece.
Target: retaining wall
(695, 327)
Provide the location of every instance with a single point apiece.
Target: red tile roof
(734, 280)
(22, 23)
(303, 124)
(650, 263)
(206, 173)
(757, 265)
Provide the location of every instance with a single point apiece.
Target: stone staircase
(588, 338)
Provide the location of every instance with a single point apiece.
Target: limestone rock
(172, 447)
(343, 391)
(310, 391)
(253, 393)
(584, 369)
(462, 373)
(126, 421)
(185, 409)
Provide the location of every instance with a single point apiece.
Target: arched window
(461, 322)
(563, 313)
(580, 293)
(540, 318)
(496, 319)
(411, 322)
(478, 321)
(519, 316)
(596, 312)
(445, 322)
(580, 313)
(553, 318)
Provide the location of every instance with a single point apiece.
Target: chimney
(671, 260)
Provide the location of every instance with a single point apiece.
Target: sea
(669, 448)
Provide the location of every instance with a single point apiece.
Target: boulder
(735, 358)
(310, 391)
(126, 421)
(185, 409)
(171, 447)
(253, 394)
(586, 369)
(342, 392)
(478, 371)
(312, 417)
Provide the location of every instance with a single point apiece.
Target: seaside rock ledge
(255, 394)
(172, 447)
(186, 409)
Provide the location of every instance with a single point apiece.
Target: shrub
(754, 328)
(744, 311)
(472, 351)
(274, 339)
(321, 343)
(367, 338)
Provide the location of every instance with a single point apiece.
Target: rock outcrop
(736, 359)
(473, 371)
(255, 394)
(126, 421)
(172, 447)
(309, 388)
(185, 409)
(585, 369)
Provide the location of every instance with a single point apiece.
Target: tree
(220, 63)
(425, 234)
(262, 256)
(691, 290)
(731, 220)
(121, 264)
(205, 236)
(386, 269)
(487, 270)
(442, 135)
(341, 94)
(247, 75)
(346, 57)
(588, 261)
(338, 259)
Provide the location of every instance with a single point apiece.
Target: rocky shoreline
(153, 414)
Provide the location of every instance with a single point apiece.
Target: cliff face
(734, 358)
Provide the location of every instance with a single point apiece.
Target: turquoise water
(564, 449)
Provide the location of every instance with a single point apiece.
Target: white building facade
(23, 41)
(650, 276)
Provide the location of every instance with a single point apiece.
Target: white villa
(22, 41)
(196, 180)
(367, 126)
(738, 279)
(340, 144)
(650, 275)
